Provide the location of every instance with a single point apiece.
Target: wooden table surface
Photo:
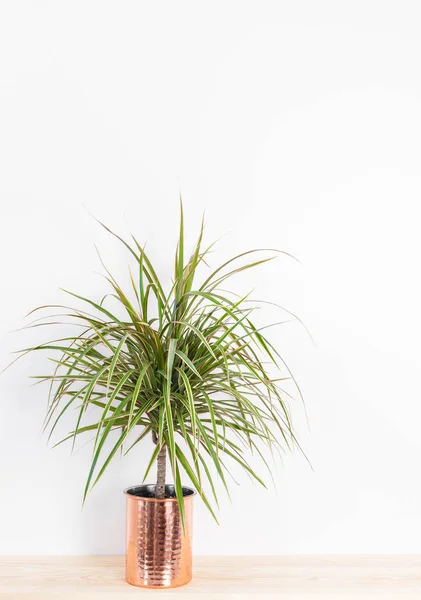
(283, 577)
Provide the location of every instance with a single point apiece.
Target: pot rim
(126, 492)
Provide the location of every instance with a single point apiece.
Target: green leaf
(190, 472)
(191, 406)
(188, 362)
(137, 390)
(179, 493)
(167, 398)
(114, 361)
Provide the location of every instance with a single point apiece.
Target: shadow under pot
(158, 552)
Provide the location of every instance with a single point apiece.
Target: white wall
(295, 125)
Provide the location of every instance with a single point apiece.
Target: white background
(295, 125)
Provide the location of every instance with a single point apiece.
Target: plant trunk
(161, 472)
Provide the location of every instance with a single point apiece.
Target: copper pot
(159, 553)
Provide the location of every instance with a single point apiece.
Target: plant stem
(161, 472)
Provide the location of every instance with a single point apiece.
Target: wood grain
(282, 577)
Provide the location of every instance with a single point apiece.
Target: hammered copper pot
(159, 553)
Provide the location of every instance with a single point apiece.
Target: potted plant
(186, 366)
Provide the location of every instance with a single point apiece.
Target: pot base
(158, 587)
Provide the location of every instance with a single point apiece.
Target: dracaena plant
(183, 365)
